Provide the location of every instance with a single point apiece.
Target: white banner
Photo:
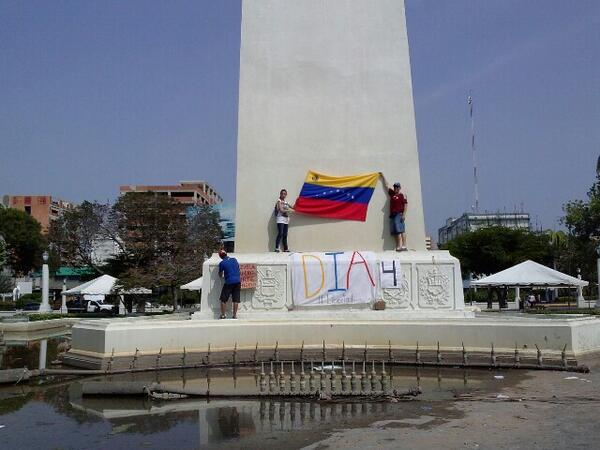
(390, 274)
(333, 278)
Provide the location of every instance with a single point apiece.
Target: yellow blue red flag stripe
(344, 197)
(365, 180)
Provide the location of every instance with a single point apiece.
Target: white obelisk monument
(324, 85)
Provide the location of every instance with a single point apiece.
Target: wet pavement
(458, 409)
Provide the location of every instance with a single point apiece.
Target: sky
(94, 95)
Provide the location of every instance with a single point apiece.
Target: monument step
(94, 344)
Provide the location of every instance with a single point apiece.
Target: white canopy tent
(95, 289)
(529, 274)
(195, 285)
(532, 274)
(100, 287)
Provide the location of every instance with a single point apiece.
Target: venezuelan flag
(336, 197)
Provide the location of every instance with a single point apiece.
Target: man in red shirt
(398, 206)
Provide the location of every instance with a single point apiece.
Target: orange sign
(248, 276)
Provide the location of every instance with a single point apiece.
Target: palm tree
(558, 241)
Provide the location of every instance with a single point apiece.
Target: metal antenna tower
(475, 207)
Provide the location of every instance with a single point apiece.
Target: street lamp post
(45, 306)
(580, 299)
(63, 306)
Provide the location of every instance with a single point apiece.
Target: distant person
(282, 213)
(530, 301)
(230, 269)
(398, 206)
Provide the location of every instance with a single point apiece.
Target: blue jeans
(282, 232)
(397, 224)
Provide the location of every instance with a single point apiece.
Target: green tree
(204, 232)
(151, 228)
(74, 234)
(3, 253)
(582, 219)
(490, 250)
(164, 244)
(6, 281)
(558, 241)
(24, 240)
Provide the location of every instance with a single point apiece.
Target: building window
(28, 210)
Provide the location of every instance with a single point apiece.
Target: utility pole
(475, 207)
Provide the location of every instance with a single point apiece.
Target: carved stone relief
(246, 300)
(271, 288)
(436, 289)
(400, 297)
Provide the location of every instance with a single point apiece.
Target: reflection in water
(221, 420)
(231, 422)
(228, 422)
(17, 353)
(43, 354)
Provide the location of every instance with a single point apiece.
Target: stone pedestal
(430, 286)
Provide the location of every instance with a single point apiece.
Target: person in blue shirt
(230, 269)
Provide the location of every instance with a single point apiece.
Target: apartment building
(43, 208)
(186, 192)
(476, 221)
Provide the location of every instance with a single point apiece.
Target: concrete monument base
(426, 306)
(95, 343)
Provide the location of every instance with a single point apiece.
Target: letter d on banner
(318, 278)
(307, 294)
